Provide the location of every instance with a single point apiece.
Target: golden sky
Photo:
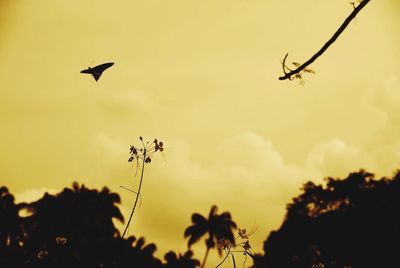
(202, 76)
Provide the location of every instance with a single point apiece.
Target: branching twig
(289, 75)
(227, 246)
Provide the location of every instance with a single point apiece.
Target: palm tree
(218, 226)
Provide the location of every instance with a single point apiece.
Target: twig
(290, 74)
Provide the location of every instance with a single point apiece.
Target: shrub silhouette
(354, 222)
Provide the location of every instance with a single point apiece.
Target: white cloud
(251, 151)
(383, 146)
(335, 158)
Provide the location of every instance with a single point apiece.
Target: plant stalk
(205, 258)
(137, 195)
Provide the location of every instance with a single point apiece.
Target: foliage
(72, 229)
(243, 244)
(217, 226)
(351, 222)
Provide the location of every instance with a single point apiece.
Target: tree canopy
(73, 229)
(351, 222)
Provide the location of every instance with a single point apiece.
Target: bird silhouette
(97, 70)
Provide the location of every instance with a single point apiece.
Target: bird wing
(102, 67)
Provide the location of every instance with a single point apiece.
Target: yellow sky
(203, 77)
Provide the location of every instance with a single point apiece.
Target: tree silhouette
(80, 215)
(351, 222)
(11, 232)
(218, 226)
(71, 229)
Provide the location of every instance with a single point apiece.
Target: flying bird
(97, 70)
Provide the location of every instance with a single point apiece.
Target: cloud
(383, 147)
(33, 194)
(387, 98)
(334, 158)
(250, 150)
(248, 177)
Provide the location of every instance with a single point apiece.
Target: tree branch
(289, 75)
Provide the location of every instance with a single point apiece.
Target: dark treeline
(351, 222)
(74, 229)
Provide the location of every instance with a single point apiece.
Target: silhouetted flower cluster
(145, 152)
(241, 241)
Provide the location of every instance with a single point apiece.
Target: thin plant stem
(226, 256)
(233, 260)
(205, 257)
(123, 187)
(138, 193)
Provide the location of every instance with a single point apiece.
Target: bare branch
(289, 75)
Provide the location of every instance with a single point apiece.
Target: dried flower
(242, 234)
(133, 150)
(158, 145)
(223, 244)
(246, 245)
